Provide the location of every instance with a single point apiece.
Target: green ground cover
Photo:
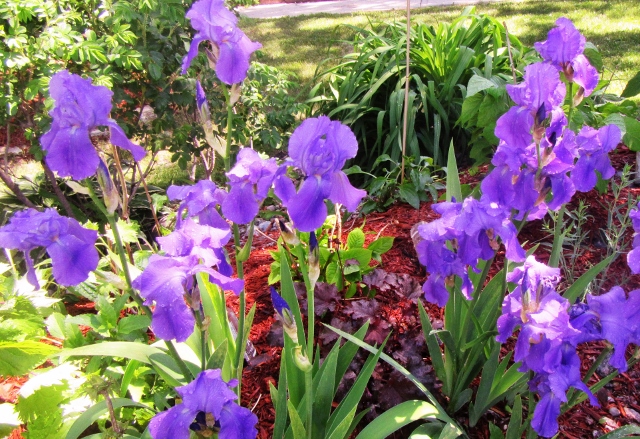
(300, 44)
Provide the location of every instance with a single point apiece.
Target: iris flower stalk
(130, 291)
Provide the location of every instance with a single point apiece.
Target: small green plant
(343, 264)
(420, 184)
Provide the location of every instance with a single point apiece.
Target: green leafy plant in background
(420, 185)
(365, 90)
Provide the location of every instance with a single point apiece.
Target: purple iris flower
(564, 42)
(232, 48)
(200, 200)
(169, 279)
(465, 233)
(564, 50)
(594, 147)
(250, 180)
(633, 257)
(483, 223)
(208, 407)
(553, 387)
(165, 281)
(442, 264)
(613, 317)
(319, 147)
(524, 173)
(203, 241)
(79, 108)
(540, 311)
(541, 88)
(70, 246)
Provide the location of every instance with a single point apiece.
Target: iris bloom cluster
(208, 408)
(540, 162)
(318, 148)
(230, 48)
(79, 108)
(538, 166)
(70, 246)
(465, 233)
(551, 329)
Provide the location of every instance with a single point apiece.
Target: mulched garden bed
(394, 310)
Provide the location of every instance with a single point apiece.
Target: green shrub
(134, 47)
(365, 90)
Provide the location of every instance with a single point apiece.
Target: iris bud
(287, 233)
(282, 308)
(314, 259)
(109, 191)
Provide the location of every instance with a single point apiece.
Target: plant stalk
(130, 291)
(308, 379)
(405, 116)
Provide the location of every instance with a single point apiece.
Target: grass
(299, 44)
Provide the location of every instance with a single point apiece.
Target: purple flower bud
(201, 103)
(314, 259)
(109, 192)
(284, 312)
(288, 234)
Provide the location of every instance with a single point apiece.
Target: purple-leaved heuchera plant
(70, 246)
(79, 108)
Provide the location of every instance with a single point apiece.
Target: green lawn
(300, 44)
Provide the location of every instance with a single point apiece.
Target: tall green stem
(570, 102)
(298, 252)
(240, 348)
(239, 261)
(127, 276)
(308, 380)
(227, 155)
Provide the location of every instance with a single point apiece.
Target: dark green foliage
(366, 91)
(385, 189)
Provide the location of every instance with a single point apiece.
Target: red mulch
(619, 399)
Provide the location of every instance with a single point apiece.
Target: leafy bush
(365, 90)
(134, 48)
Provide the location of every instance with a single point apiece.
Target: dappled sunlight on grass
(300, 43)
